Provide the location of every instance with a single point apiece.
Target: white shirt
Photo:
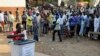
(58, 25)
(61, 20)
(1, 17)
(91, 10)
(25, 34)
(69, 14)
(96, 22)
(38, 18)
(85, 16)
(64, 17)
(54, 19)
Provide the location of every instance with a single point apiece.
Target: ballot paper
(25, 34)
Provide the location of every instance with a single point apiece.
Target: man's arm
(15, 35)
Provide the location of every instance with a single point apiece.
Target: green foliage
(84, 0)
(62, 3)
(87, 0)
(49, 1)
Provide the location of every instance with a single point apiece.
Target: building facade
(11, 5)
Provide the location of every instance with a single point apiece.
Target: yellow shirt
(29, 20)
(50, 18)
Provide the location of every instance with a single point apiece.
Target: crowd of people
(39, 22)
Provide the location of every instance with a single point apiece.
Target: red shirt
(15, 38)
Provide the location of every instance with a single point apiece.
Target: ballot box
(23, 48)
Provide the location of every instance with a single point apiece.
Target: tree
(87, 0)
(62, 3)
(49, 1)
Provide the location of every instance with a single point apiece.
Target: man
(29, 23)
(24, 17)
(16, 35)
(38, 22)
(83, 19)
(57, 29)
(17, 15)
(35, 28)
(96, 25)
(72, 23)
(11, 21)
(61, 23)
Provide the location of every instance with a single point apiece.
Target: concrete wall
(12, 9)
(11, 5)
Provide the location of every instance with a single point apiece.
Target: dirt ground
(69, 46)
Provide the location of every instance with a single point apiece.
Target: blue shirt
(79, 20)
(73, 21)
(87, 22)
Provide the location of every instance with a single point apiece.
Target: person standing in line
(42, 22)
(91, 11)
(73, 22)
(2, 19)
(6, 17)
(50, 19)
(24, 17)
(11, 21)
(17, 15)
(38, 22)
(35, 28)
(78, 23)
(64, 15)
(96, 25)
(45, 24)
(85, 19)
(87, 24)
(68, 13)
(30, 11)
(61, 23)
(29, 23)
(81, 33)
(57, 29)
